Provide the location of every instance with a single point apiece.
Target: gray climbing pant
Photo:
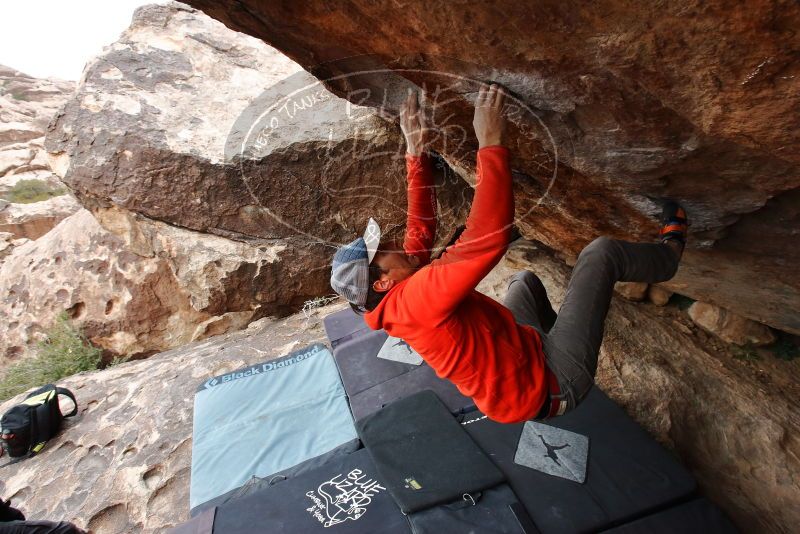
(571, 340)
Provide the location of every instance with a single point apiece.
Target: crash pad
(628, 474)
(264, 419)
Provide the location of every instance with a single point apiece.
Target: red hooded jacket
(465, 336)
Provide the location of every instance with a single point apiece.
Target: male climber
(517, 361)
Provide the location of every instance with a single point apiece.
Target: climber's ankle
(674, 227)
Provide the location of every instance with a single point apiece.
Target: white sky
(56, 38)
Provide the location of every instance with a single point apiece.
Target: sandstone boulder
(616, 107)
(729, 326)
(13, 158)
(26, 106)
(183, 124)
(168, 292)
(28, 103)
(123, 464)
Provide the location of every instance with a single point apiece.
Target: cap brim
(372, 238)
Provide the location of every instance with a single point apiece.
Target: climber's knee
(527, 277)
(603, 246)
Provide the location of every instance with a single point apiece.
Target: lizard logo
(551, 450)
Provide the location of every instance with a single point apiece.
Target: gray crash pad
(265, 419)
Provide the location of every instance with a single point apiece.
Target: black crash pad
(699, 516)
(372, 382)
(423, 455)
(421, 378)
(359, 365)
(342, 496)
(344, 325)
(628, 473)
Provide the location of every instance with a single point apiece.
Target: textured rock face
(173, 123)
(196, 239)
(624, 104)
(122, 465)
(125, 303)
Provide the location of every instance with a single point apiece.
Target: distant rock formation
(33, 220)
(27, 105)
(624, 104)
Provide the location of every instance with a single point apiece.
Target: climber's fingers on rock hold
(483, 93)
(499, 96)
(494, 96)
(488, 122)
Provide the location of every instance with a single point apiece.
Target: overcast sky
(56, 38)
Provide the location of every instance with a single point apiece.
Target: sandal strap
(672, 228)
(674, 223)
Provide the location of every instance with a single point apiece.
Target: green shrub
(64, 352)
(19, 96)
(29, 191)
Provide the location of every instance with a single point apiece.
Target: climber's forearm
(421, 214)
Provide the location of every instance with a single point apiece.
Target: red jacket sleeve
(421, 223)
(434, 291)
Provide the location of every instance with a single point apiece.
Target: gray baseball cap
(350, 269)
